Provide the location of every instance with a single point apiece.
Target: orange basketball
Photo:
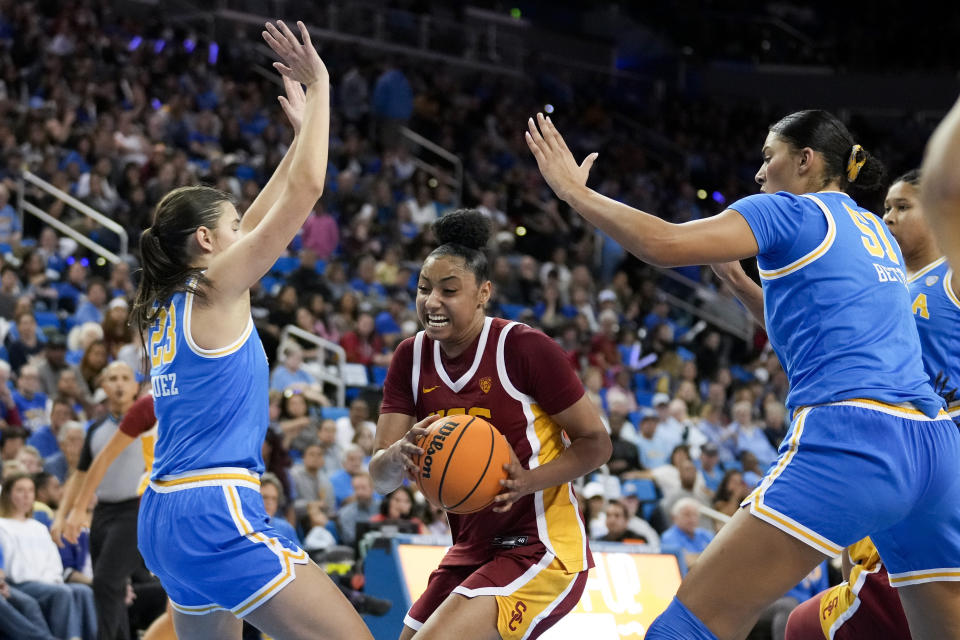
(462, 464)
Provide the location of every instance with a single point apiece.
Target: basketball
(462, 463)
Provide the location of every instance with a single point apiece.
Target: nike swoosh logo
(426, 390)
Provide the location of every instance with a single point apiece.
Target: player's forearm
(940, 185)
(271, 191)
(309, 160)
(386, 470)
(584, 455)
(747, 291)
(70, 493)
(646, 236)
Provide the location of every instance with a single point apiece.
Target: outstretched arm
(722, 238)
(940, 185)
(293, 105)
(76, 510)
(235, 270)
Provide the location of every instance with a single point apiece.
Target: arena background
(109, 105)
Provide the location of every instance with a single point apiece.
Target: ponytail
(167, 251)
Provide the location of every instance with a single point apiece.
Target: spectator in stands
(13, 439)
(70, 441)
(731, 492)
(53, 361)
(9, 290)
(277, 461)
(45, 437)
(321, 234)
(95, 358)
(29, 459)
(9, 414)
(356, 420)
(397, 508)
(654, 446)
(117, 332)
(34, 565)
(685, 534)
(749, 436)
(617, 523)
(631, 502)
(691, 486)
(311, 482)
(69, 387)
(594, 508)
(332, 452)
(593, 383)
(323, 324)
(361, 508)
(625, 456)
(272, 490)
(774, 422)
(20, 614)
(709, 465)
(342, 479)
(26, 343)
(31, 402)
(11, 232)
(49, 493)
(291, 374)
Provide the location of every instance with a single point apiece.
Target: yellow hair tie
(858, 157)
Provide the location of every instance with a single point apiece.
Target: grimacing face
(450, 302)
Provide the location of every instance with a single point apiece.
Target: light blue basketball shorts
(855, 468)
(205, 535)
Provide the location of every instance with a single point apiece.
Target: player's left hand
(293, 103)
(516, 485)
(556, 163)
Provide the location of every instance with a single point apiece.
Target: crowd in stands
(117, 115)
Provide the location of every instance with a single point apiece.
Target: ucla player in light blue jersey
(202, 526)
(871, 450)
(934, 289)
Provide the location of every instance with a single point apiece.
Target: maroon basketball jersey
(479, 383)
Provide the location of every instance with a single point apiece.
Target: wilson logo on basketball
(436, 444)
(516, 617)
(485, 384)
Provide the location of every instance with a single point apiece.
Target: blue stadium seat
(321, 267)
(270, 284)
(512, 311)
(48, 320)
(332, 413)
(285, 265)
(378, 375)
(645, 398)
(647, 494)
(685, 354)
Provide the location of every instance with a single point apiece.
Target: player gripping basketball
(518, 566)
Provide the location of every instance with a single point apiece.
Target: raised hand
(293, 103)
(301, 63)
(554, 159)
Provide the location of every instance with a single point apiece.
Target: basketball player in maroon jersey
(517, 567)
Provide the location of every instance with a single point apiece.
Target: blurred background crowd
(114, 108)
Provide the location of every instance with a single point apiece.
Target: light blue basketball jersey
(211, 405)
(836, 303)
(936, 310)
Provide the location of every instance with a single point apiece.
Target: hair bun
(466, 227)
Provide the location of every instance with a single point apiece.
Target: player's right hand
(301, 63)
(409, 451)
(73, 526)
(56, 532)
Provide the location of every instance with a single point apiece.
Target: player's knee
(678, 623)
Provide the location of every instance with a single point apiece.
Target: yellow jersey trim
(211, 353)
(821, 249)
(926, 269)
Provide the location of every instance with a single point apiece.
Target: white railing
(455, 181)
(77, 205)
(320, 370)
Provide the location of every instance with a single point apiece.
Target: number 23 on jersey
(163, 337)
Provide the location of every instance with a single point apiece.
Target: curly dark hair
(464, 233)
